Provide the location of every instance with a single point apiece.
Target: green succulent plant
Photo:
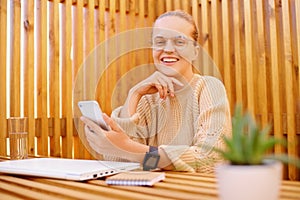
(250, 144)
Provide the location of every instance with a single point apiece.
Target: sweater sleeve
(140, 127)
(212, 123)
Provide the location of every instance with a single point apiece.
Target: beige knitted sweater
(198, 114)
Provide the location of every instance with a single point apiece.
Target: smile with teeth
(169, 59)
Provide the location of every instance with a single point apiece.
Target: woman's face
(173, 46)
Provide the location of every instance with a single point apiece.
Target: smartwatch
(151, 159)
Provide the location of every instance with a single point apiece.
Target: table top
(177, 185)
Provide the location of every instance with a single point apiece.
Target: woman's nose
(169, 46)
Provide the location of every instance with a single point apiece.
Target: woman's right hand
(157, 82)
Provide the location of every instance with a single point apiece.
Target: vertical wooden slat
(14, 59)
(289, 85)
(141, 16)
(262, 103)
(137, 7)
(3, 78)
(121, 65)
(67, 139)
(90, 80)
(151, 19)
(195, 13)
(107, 4)
(187, 7)
(141, 54)
(228, 72)
(131, 58)
(146, 9)
(249, 55)
(275, 84)
(88, 72)
(90, 61)
(237, 52)
(54, 90)
(204, 34)
(79, 149)
(99, 21)
(122, 62)
(160, 7)
(143, 57)
(216, 30)
(41, 62)
(96, 3)
(112, 72)
(151, 12)
(28, 62)
(122, 16)
(63, 29)
(101, 93)
(297, 18)
(169, 5)
(177, 4)
(90, 27)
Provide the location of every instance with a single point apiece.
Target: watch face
(150, 161)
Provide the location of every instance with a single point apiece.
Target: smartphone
(92, 110)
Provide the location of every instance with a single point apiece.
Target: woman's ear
(195, 52)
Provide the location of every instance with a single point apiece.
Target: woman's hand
(113, 142)
(157, 82)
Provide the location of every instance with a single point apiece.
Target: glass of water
(18, 137)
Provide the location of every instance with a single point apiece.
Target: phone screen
(92, 110)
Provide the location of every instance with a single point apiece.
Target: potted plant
(251, 172)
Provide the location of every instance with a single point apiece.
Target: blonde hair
(183, 15)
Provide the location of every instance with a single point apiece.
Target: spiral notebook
(136, 178)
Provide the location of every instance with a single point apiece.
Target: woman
(174, 113)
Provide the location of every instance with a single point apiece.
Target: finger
(92, 125)
(174, 80)
(164, 85)
(169, 82)
(159, 88)
(90, 135)
(87, 129)
(113, 125)
(170, 90)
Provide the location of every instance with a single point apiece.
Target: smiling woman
(248, 64)
(168, 116)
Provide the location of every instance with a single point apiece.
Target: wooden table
(177, 185)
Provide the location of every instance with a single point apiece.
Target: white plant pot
(249, 182)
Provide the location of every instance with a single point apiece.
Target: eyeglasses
(179, 42)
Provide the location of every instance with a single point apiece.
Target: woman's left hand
(114, 142)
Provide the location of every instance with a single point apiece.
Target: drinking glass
(18, 137)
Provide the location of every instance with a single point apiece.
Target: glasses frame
(173, 42)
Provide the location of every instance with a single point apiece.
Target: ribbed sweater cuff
(180, 156)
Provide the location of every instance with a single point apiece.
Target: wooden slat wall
(28, 64)
(41, 109)
(255, 44)
(3, 78)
